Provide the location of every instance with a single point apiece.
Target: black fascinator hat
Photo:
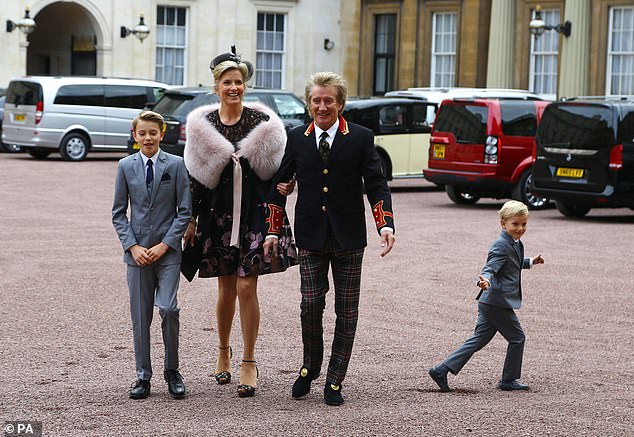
(235, 57)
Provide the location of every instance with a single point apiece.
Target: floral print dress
(214, 209)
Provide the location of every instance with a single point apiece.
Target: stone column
(501, 44)
(575, 51)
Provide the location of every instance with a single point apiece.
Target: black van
(584, 157)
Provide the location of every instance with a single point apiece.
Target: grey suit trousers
(492, 319)
(149, 286)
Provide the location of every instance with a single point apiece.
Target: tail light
(491, 150)
(616, 157)
(39, 110)
(183, 133)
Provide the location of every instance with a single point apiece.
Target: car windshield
(586, 126)
(174, 104)
(467, 122)
(289, 107)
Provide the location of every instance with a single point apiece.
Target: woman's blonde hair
(513, 208)
(328, 78)
(225, 66)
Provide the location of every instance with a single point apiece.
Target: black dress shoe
(513, 384)
(301, 387)
(175, 385)
(440, 378)
(332, 394)
(140, 389)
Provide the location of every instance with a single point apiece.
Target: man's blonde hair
(327, 78)
(513, 208)
(149, 116)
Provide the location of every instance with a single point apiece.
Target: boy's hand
(139, 253)
(483, 283)
(190, 234)
(538, 259)
(155, 253)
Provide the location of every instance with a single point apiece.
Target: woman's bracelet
(193, 221)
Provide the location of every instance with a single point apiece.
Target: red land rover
(484, 148)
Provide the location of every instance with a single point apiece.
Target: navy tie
(149, 177)
(324, 147)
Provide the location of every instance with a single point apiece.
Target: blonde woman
(232, 152)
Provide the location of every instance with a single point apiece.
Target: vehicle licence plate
(439, 151)
(136, 146)
(569, 172)
(19, 117)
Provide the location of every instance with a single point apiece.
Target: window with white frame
(384, 53)
(620, 65)
(269, 62)
(443, 49)
(171, 42)
(542, 78)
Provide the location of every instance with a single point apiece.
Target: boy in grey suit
(500, 294)
(156, 185)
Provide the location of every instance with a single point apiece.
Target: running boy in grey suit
(500, 294)
(156, 185)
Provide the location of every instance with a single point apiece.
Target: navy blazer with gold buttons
(332, 192)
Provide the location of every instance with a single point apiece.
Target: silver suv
(74, 115)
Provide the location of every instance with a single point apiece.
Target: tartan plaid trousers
(346, 272)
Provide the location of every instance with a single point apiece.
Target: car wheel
(523, 193)
(571, 209)
(39, 154)
(74, 147)
(460, 196)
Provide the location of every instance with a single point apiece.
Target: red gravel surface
(67, 357)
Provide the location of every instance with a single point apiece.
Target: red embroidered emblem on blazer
(274, 219)
(379, 215)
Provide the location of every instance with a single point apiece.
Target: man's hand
(139, 253)
(190, 234)
(538, 259)
(155, 253)
(483, 283)
(387, 242)
(270, 247)
(286, 188)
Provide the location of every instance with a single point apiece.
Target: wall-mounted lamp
(537, 25)
(141, 31)
(26, 25)
(328, 44)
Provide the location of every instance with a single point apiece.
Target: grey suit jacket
(161, 215)
(503, 270)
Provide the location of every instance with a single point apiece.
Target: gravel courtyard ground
(67, 357)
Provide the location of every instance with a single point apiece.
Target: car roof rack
(612, 97)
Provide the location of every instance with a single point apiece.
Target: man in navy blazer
(332, 161)
(500, 294)
(156, 186)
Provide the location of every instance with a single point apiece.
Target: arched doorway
(64, 41)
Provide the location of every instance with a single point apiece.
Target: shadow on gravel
(458, 391)
(607, 219)
(419, 189)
